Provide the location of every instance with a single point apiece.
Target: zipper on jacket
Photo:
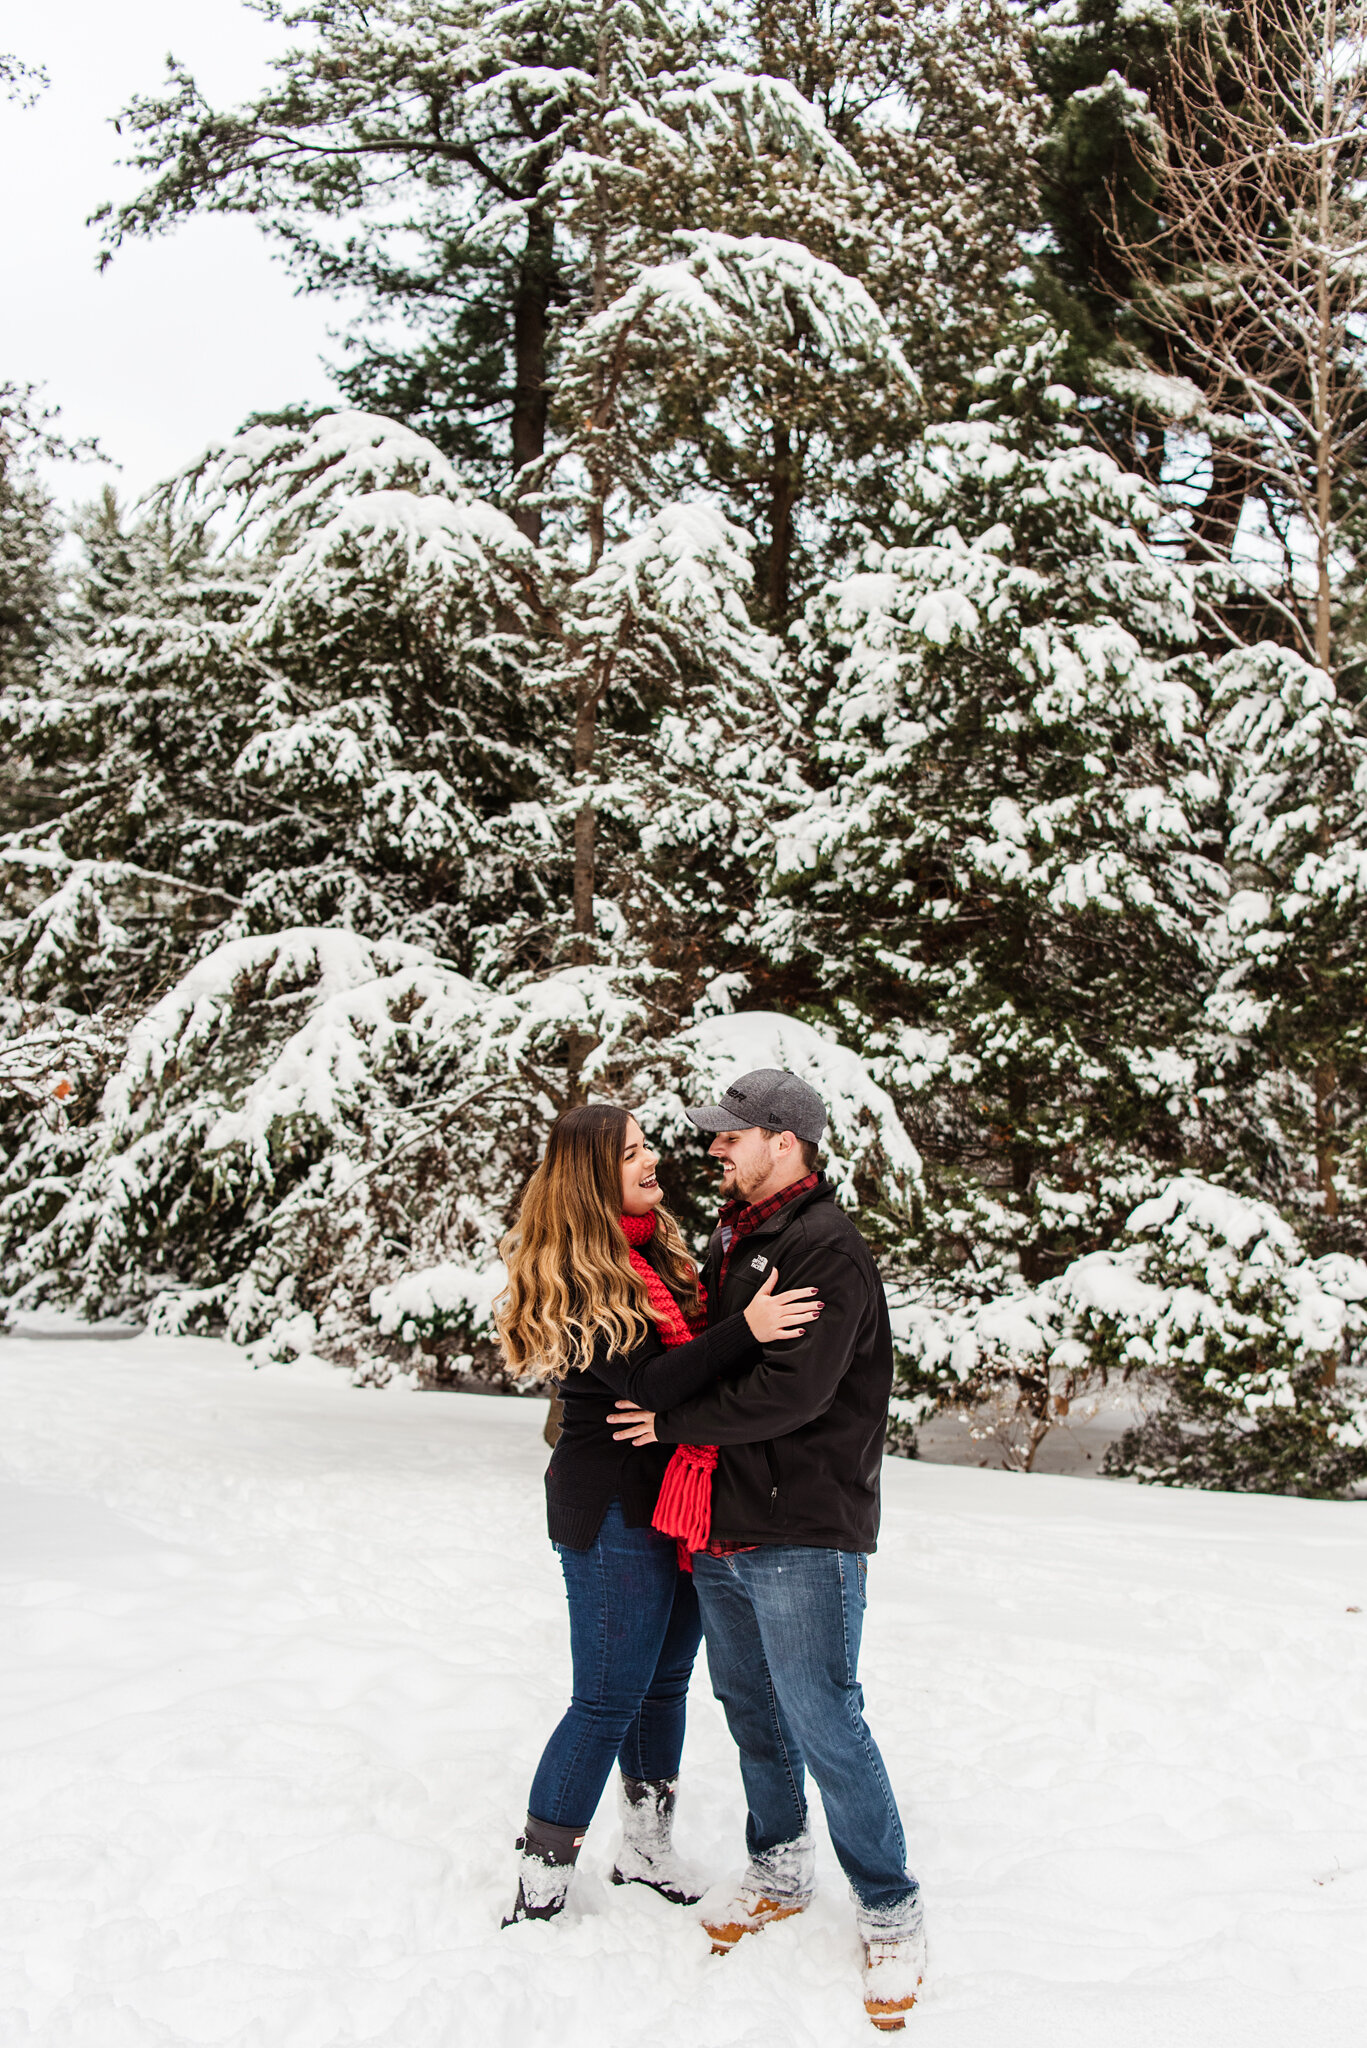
(771, 1460)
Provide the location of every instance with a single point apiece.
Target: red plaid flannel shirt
(742, 1218)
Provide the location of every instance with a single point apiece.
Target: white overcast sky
(181, 337)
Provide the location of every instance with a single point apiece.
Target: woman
(603, 1297)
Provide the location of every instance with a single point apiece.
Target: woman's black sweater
(588, 1468)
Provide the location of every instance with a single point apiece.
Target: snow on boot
(647, 1855)
(894, 1965)
(549, 1855)
(746, 1913)
(777, 1884)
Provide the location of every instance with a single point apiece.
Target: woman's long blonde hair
(570, 1277)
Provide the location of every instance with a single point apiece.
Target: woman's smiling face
(641, 1192)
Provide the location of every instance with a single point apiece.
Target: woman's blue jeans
(634, 1633)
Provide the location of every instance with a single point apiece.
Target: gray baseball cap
(769, 1099)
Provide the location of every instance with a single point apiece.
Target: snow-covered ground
(280, 1655)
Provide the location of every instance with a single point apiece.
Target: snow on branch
(271, 482)
(328, 963)
(681, 575)
(764, 112)
(1203, 1280)
(531, 1021)
(738, 289)
(75, 920)
(865, 1139)
(433, 544)
(1215, 1279)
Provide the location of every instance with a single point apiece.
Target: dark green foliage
(1197, 1440)
(29, 537)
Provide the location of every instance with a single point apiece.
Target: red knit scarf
(684, 1508)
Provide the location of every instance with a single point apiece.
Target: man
(795, 1500)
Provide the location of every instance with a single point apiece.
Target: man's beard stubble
(741, 1184)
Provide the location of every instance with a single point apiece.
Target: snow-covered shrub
(257, 1078)
(1251, 1351)
(997, 1354)
(1245, 1352)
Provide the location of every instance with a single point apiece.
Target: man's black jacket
(801, 1432)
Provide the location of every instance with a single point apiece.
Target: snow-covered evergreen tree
(1087, 897)
(29, 536)
(350, 723)
(311, 722)
(879, 146)
(1003, 882)
(234, 738)
(933, 104)
(435, 151)
(1293, 992)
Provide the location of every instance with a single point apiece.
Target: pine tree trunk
(1324, 455)
(1022, 1152)
(784, 491)
(555, 1421)
(585, 850)
(585, 736)
(1216, 519)
(590, 684)
(531, 306)
(1326, 1080)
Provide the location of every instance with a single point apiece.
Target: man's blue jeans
(634, 1633)
(783, 1625)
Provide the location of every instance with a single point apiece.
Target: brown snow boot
(549, 1855)
(778, 1883)
(894, 1966)
(647, 1855)
(746, 1913)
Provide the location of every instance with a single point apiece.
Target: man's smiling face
(747, 1160)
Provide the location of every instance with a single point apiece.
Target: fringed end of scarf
(684, 1508)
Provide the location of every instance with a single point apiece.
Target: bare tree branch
(1255, 265)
